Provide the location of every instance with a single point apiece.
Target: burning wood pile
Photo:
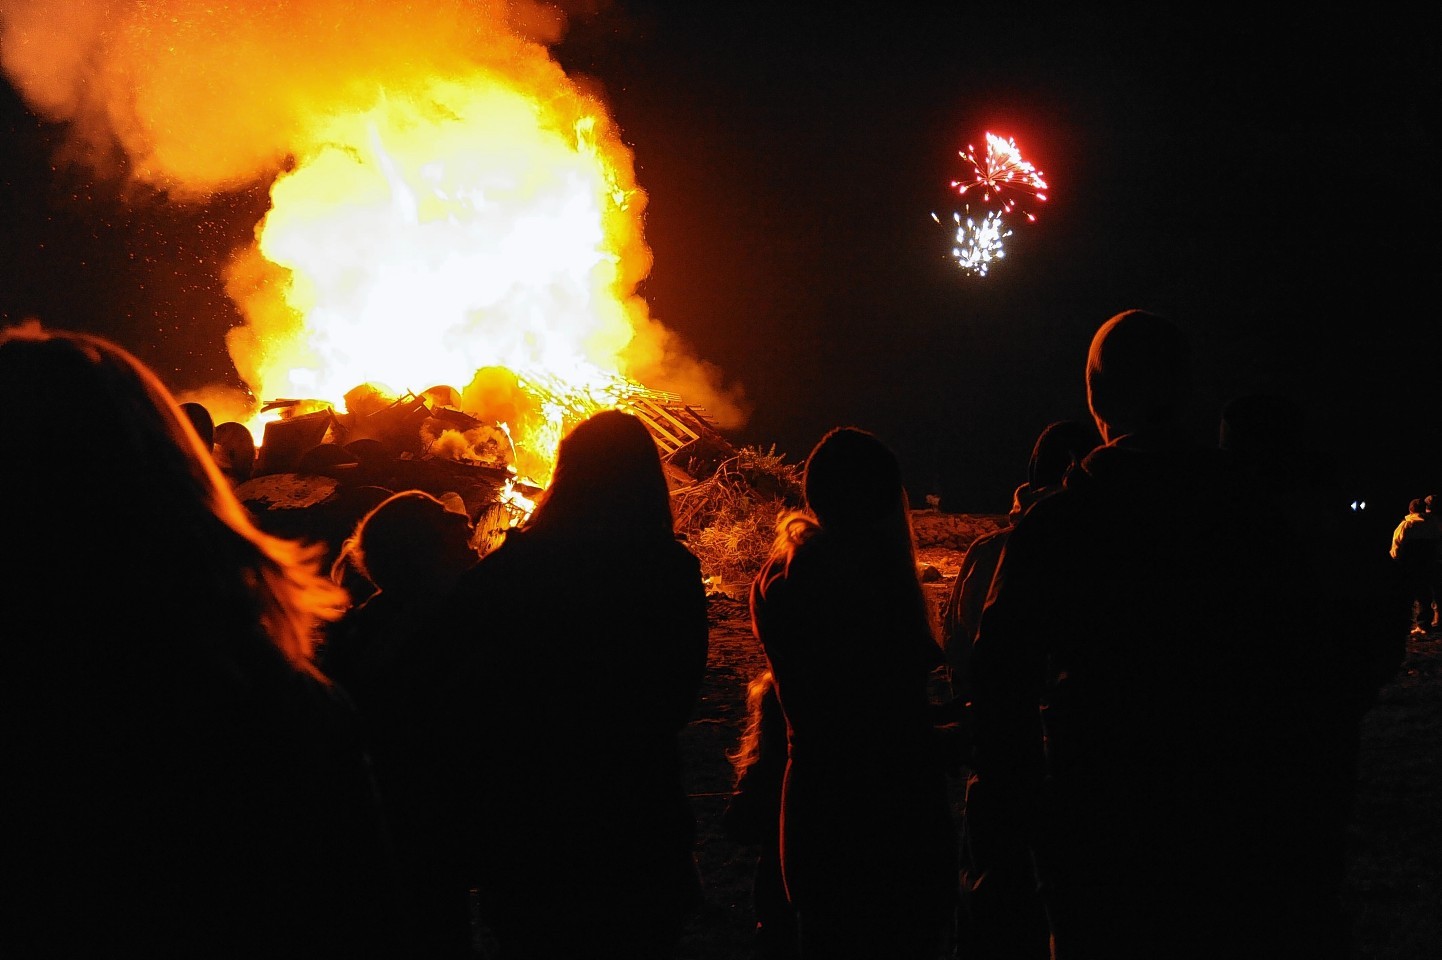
(318, 470)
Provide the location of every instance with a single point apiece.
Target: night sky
(1269, 186)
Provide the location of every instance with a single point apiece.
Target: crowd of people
(217, 745)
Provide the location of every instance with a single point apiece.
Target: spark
(1002, 173)
(978, 244)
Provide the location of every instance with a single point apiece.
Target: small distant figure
(1296, 478)
(868, 843)
(753, 817)
(180, 779)
(587, 635)
(1432, 508)
(234, 451)
(1415, 545)
(199, 416)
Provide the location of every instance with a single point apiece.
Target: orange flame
(452, 209)
(470, 225)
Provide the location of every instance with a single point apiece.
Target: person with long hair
(180, 779)
(589, 632)
(753, 816)
(868, 844)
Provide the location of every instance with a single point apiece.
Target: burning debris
(318, 469)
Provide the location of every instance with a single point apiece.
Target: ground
(1395, 875)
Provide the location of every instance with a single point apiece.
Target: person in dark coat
(1158, 687)
(1416, 541)
(392, 655)
(1432, 510)
(1001, 911)
(180, 780)
(868, 844)
(1060, 445)
(590, 635)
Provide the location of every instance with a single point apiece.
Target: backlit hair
(104, 477)
(858, 506)
(748, 747)
(608, 479)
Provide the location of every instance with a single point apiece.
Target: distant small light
(1359, 505)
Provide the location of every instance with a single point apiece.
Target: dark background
(1267, 185)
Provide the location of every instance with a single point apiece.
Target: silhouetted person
(1002, 914)
(1151, 692)
(1364, 612)
(1298, 481)
(868, 845)
(235, 451)
(180, 780)
(590, 634)
(391, 654)
(1432, 510)
(1058, 447)
(200, 419)
(344, 566)
(753, 817)
(1415, 544)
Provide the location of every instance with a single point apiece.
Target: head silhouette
(1138, 374)
(235, 450)
(1060, 445)
(200, 419)
(411, 541)
(608, 479)
(159, 518)
(68, 399)
(852, 479)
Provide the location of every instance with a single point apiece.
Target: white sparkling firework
(978, 244)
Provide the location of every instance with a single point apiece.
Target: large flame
(448, 207)
(463, 226)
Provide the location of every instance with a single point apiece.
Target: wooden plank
(674, 443)
(685, 427)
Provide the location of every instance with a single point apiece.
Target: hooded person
(1060, 445)
(1157, 690)
(1001, 914)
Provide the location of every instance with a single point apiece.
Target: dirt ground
(1395, 852)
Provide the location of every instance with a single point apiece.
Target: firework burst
(977, 244)
(1001, 173)
(1002, 177)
